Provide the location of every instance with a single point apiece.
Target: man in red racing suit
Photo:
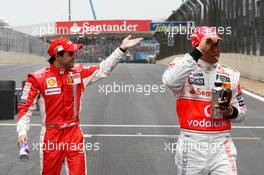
(204, 145)
(58, 89)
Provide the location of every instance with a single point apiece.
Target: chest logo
(51, 82)
(74, 78)
(53, 91)
(196, 81)
(69, 80)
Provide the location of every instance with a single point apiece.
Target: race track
(130, 133)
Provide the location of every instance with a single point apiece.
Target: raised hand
(128, 42)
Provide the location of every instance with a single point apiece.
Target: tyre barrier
(8, 99)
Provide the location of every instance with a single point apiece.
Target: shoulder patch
(78, 67)
(39, 73)
(230, 68)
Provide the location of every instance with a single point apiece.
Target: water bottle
(227, 95)
(217, 92)
(24, 152)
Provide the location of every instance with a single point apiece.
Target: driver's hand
(23, 139)
(128, 42)
(224, 106)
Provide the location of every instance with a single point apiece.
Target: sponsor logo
(180, 26)
(224, 78)
(51, 82)
(23, 101)
(196, 81)
(24, 95)
(206, 111)
(206, 124)
(241, 103)
(240, 100)
(184, 160)
(239, 97)
(59, 48)
(222, 71)
(239, 89)
(199, 91)
(53, 91)
(171, 65)
(62, 71)
(69, 80)
(229, 155)
(27, 86)
(190, 91)
(102, 26)
(197, 74)
(73, 78)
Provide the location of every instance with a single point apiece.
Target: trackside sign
(102, 26)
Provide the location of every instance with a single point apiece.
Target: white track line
(156, 135)
(253, 95)
(129, 135)
(137, 126)
(244, 91)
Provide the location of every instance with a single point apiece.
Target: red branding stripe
(197, 115)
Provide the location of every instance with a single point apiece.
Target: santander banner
(102, 26)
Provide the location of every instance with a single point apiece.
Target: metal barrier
(245, 17)
(17, 42)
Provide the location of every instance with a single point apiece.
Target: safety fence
(244, 18)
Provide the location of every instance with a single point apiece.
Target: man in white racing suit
(204, 145)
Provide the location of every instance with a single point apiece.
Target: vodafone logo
(206, 124)
(206, 111)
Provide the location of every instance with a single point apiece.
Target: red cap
(60, 44)
(201, 32)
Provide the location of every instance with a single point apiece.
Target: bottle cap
(227, 85)
(218, 83)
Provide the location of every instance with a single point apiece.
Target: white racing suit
(204, 146)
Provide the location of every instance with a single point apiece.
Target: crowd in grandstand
(97, 48)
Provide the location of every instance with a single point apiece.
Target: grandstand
(34, 39)
(99, 45)
(97, 48)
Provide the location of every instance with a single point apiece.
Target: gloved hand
(224, 103)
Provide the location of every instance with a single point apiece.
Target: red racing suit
(59, 92)
(191, 82)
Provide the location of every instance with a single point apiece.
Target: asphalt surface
(128, 131)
